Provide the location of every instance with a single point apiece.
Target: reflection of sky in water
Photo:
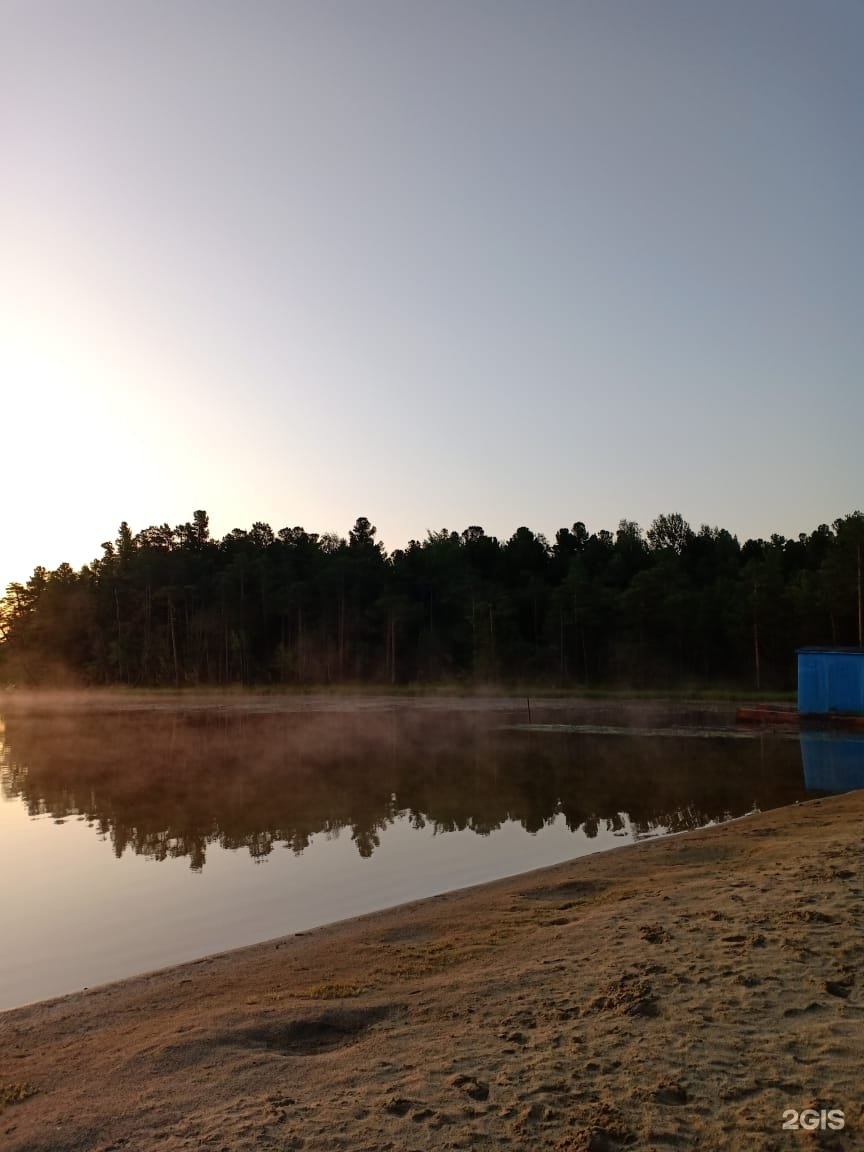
(384, 813)
(85, 918)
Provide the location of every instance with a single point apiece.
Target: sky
(477, 262)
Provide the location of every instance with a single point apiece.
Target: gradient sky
(438, 264)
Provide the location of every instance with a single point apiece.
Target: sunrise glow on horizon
(435, 265)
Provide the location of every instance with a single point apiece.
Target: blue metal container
(830, 681)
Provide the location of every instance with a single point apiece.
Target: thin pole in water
(528, 701)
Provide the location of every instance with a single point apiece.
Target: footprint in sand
(471, 1086)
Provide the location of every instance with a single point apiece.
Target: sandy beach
(679, 993)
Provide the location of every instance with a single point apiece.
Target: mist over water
(140, 835)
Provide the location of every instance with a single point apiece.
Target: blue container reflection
(832, 763)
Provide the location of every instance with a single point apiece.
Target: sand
(679, 993)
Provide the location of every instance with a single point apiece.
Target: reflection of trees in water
(169, 784)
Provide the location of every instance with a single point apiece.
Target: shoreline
(681, 989)
(357, 920)
(431, 695)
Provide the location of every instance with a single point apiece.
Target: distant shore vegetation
(644, 609)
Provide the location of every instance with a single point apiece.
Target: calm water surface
(133, 838)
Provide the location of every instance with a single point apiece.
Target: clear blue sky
(437, 264)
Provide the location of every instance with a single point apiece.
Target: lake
(145, 832)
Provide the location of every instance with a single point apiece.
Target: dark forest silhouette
(175, 607)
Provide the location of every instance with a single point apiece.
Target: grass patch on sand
(14, 1094)
(328, 991)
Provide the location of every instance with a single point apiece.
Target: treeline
(647, 609)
